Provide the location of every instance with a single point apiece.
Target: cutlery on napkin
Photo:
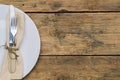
(12, 67)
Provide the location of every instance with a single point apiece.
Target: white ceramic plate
(30, 47)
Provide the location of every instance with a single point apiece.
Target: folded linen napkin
(12, 67)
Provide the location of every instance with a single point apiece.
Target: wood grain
(75, 27)
(76, 68)
(79, 33)
(64, 5)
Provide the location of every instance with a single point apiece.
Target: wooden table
(80, 38)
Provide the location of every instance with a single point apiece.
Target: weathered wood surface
(64, 5)
(79, 33)
(76, 68)
(94, 33)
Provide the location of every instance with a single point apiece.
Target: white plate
(30, 47)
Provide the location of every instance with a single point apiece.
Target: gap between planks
(75, 12)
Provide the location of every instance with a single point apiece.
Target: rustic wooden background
(80, 38)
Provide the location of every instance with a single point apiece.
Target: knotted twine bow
(11, 51)
(12, 67)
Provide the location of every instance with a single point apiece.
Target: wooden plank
(79, 33)
(64, 5)
(76, 68)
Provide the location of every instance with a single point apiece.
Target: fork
(12, 35)
(13, 28)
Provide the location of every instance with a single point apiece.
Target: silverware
(12, 35)
(13, 26)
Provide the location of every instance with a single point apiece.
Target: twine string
(11, 52)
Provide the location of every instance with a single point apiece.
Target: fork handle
(14, 42)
